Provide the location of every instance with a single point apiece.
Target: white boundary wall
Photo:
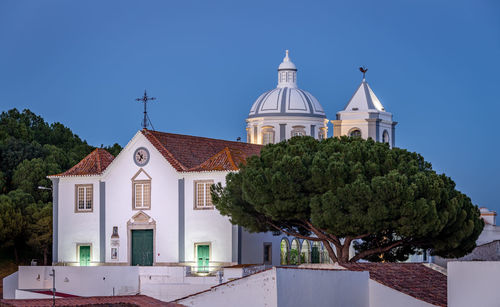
(474, 283)
(289, 287)
(383, 296)
(10, 285)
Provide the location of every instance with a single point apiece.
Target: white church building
(151, 204)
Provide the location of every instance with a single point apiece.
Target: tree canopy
(31, 149)
(386, 202)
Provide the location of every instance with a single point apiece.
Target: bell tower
(365, 116)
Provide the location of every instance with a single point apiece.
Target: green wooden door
(315, 254)
(84, 255)
(203, 253)
(142, 247)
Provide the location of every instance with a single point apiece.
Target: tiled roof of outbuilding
(188, 153)
(413, 279)
(129, 300)
(93, 164)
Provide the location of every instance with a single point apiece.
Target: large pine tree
(387, 202)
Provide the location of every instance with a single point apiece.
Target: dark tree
(31, 149)
(386, 202)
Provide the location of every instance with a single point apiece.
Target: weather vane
(145, 100)
(363, 69)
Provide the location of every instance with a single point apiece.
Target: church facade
(151, 204)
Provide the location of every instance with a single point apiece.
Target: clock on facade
(141, 156)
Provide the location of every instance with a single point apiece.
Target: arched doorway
(294, 252)
(316, 252)
(284, 250)
(305, 252)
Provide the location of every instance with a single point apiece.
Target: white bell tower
(366, 117)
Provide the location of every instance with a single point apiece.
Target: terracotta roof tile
(130, 300)
(93, 164)
(188, 153)
(413, 279)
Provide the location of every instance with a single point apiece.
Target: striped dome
(286, 101)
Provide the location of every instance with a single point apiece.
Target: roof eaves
(155, 142)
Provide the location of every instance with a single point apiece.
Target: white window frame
(206, 203)
(85, 188)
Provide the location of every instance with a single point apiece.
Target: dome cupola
(287, 73)
(285, 111)
(287, 99)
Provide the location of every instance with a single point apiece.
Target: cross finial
(363, 69)
(144, 99)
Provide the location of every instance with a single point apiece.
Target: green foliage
(40, 228)
(11, 222)
(30, 150)
(387, 201)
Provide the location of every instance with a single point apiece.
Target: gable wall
(164, 201)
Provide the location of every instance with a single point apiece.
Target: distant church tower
(285, 111)
(365, 116)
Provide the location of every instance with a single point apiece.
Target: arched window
(385, 137)
(325, 257)
(298, 131)
(249, 136)
(315, 252)
(322, 134)
(284, 250)
(267, 135)
(294, 252)
(355, 133)
(305, 252)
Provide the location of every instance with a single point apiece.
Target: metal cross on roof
(146, 119)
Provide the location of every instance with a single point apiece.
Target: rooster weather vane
(363, 69)
(144, 99)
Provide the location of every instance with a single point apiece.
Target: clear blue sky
(433, 64)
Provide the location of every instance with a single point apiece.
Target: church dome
(287, 99)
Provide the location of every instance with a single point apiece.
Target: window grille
(203, 199)
(84, 197)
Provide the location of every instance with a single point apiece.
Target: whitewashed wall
(77, 228)
(205, 226)
(164, 201)
(383, 296)
(473, 283)
(10, 285)
(289, 288)
(82, 281)
(303, 287)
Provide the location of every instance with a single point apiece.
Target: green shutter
(142, 247)
(84, 255)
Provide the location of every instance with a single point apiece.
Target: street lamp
(44, 188)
